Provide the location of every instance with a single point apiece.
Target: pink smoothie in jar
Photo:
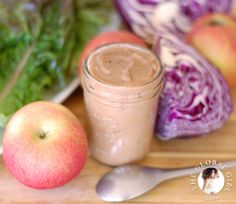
(122, 84)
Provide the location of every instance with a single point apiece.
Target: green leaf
(40, 45)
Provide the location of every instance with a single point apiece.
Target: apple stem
(42, 135)
(215, 23)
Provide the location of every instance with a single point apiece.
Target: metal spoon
(130, 181)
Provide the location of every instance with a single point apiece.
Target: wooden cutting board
(220, 146)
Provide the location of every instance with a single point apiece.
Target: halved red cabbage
(195, 98)
(145, 17)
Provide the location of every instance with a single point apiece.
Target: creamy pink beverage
(122, 84)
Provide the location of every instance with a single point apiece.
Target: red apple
(105, 38)
(44, 145)
(214, 36)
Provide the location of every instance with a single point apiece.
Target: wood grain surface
(220, 146)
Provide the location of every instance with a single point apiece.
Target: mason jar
(122, 118)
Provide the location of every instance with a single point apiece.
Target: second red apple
(214, 36)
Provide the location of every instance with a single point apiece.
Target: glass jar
(122, 118)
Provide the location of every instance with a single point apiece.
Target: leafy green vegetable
(40, 45)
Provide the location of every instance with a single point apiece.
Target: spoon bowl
(135, 180)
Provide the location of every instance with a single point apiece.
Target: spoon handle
(230, 164)
(173, 173)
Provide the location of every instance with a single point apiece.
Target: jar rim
(88, 73)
